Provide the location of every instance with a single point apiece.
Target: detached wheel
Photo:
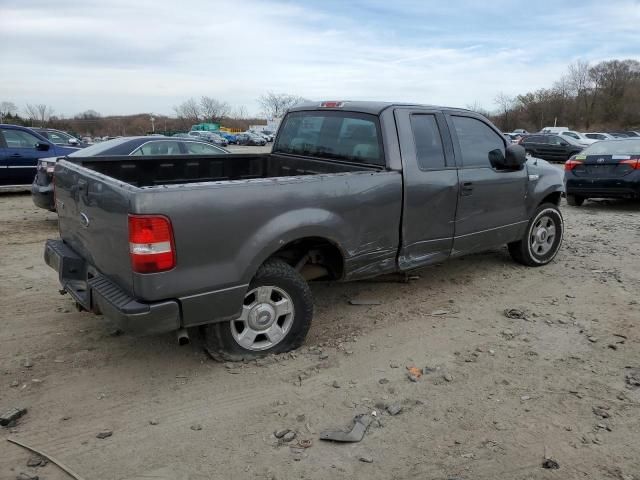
(276, 316)
(542, 239)
(575, 200)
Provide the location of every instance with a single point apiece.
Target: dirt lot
(514, 388)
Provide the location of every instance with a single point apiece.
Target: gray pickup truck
(350, 190)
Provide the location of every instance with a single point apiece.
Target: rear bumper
(42, 196)
(96, 293)
(621, 187)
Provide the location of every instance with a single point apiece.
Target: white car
(599, 136)
(577, 136)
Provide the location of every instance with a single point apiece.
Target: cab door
(491, 203)
(430, 187)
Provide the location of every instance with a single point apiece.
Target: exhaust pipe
(183, 337)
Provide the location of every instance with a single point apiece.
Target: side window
(426, 136)
(197, 148)
(476, 141)
(158, 148)
(19, 139)
(554, 140)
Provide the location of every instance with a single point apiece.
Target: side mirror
(516, 157)
(43, 147)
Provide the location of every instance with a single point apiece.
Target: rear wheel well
(313, 257)
(553, 197)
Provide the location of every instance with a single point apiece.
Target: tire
(278, 296)
(529, 152)
(536, 249)
(575, 200)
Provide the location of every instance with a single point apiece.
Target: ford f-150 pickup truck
(350, 190)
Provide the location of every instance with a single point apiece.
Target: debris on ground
(632, 378)
(153, 422)
(196, 427)
(305, 443)
(36, 461)
(53, 460)
(104, 434)
(394, 409)
(414, 373)
(364, 302)
(9, 417)
(290, 435)
(515, 313)
(438, 313)
(551, 464)
(383, 381)
(359, 428)
(365, 459)
(448, 377)
(27, 476)
(601, 412)
(27, 363)
(281, 433)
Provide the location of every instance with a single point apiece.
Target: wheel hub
(261, 316)
(541, 235)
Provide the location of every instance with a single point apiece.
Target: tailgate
(93, 219)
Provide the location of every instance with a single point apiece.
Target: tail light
(634, 163)
(571, 164)
(151, 244)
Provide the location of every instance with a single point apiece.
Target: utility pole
(153, 123)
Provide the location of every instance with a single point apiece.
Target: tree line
(588, 97)
(206, 109)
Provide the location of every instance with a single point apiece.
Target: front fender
(544, 179)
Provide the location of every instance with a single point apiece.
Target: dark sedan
(250, 139)
(42, 187)
(550, 147)
(59, 137)
(609, 169)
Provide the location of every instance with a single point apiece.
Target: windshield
(329, 134)
(99, 148)
(614, 147)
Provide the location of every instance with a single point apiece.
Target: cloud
(125, 57)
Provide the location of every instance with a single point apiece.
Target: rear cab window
(428, 142)
(348, 136)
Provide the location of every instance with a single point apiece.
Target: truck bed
(150, 171)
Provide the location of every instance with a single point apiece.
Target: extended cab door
(491, 205)
(430, 187)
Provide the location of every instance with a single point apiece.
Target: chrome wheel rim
(542, 236)
(267, 317)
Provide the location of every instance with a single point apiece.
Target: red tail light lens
(151, 244)
(634, 163)
(571, 164)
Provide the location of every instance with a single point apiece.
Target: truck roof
(372, 107)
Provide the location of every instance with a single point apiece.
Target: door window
(19, 139)
(158, 148)
(476, 140)
(197, 148)
(428, 142)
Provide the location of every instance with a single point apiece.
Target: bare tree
(7, 108)
(213, 110)
(240, 113)
(274, 105)
(505, 103)
(39, 112)
(88, 115)
(188, 110)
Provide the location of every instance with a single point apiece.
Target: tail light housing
(151, 245)
(634, 163)
(571, 164)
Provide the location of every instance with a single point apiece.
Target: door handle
(16, 155)
(467, 188)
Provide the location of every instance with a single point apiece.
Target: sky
(132, 56)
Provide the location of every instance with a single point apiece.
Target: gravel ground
(496, 396)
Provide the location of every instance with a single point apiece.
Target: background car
(59, 137)
(42, 186)
(229, 137)
(20, 149)
(550, 147)
(209, 137)
(250, 139)
(608, 169)
(599, 136)
(577, 136)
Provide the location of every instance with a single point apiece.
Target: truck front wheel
(276, 316)
(542, 238)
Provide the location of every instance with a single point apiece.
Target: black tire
(529, 152)
(575, 200)
(523, 252)
(219, 340)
